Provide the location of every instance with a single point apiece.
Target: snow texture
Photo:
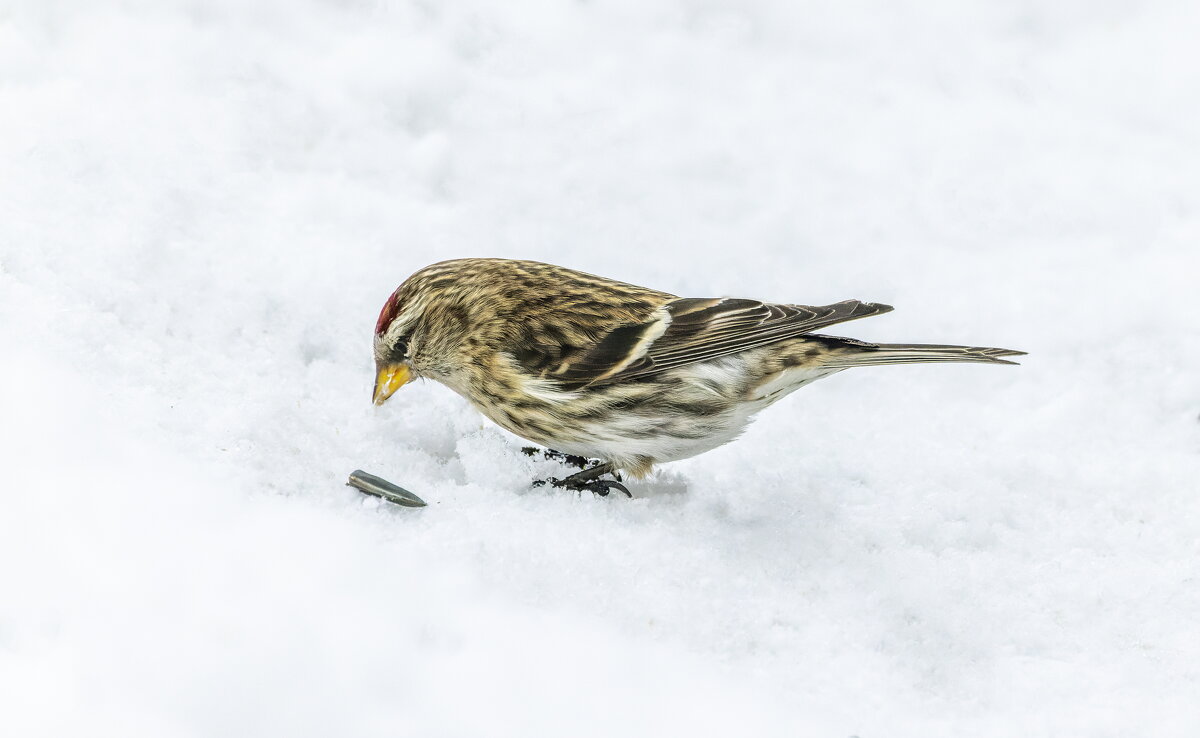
(204, 204)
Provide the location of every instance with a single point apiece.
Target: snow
(204, 206)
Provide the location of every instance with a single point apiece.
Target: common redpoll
(612, 371)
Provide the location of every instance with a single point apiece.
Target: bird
(628, 376)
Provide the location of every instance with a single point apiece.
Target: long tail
(861, 353)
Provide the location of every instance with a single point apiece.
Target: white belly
(626, 437)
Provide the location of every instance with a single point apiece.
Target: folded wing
(689, 330)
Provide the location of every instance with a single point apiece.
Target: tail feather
(860, 353)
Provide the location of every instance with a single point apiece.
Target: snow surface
(204, 204)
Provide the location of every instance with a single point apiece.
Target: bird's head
(421, 326)
(397, 333)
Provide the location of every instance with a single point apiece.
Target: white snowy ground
(204, 204)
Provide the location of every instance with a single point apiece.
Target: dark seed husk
(382, 488)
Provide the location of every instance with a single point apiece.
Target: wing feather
(690, 330)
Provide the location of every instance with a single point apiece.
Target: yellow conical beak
(388, 379)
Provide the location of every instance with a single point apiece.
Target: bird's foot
(579, 462)
(589, 480)
(598, 487)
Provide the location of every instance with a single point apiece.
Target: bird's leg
(586, 479)
(589, 479)
(580, 462)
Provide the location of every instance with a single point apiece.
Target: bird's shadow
(663, 485)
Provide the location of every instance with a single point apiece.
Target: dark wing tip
(876, 308)
(854, 309)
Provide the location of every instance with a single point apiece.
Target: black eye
(400, 349)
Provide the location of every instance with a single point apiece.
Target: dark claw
(598, 487)
(588, 478)
(602, 487)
